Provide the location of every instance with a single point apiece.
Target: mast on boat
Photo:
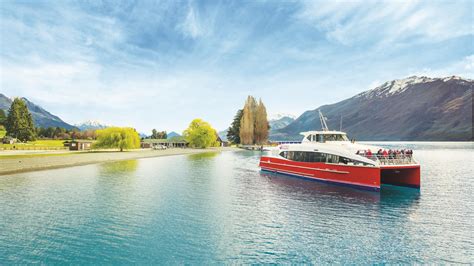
(323, 119)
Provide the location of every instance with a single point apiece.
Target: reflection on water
(204, 155)
(312, 188)
(219, 208)
(121, 167)
(399, 194)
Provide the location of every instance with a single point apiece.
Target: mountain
(223, 134)
(279, 121)
(41, 117)
(415, 108)
(90, 125)
(173, 134)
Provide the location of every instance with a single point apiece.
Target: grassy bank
(35, 145)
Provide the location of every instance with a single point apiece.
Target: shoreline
(21, 163)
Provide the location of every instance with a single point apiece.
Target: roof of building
(171, 140)
(82, 140)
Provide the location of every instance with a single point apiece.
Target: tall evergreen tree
(3, 117)
(19, 122)
(154, 134)
(261, 124)
(233, 133)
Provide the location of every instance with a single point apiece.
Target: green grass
(38, 144)
(19, 156)
(47, 143)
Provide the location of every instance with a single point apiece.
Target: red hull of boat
(359, 176)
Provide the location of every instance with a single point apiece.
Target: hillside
(415, 108)
(279, 121)
(41, 117)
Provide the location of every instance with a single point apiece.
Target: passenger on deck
(369, 154)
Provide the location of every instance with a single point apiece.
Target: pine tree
(233, 133)
(261, 124)
(3, 117)
(19, 122)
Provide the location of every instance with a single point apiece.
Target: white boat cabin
(324, 136)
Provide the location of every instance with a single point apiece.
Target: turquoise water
(219, 208)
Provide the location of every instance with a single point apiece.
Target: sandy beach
(17, 162)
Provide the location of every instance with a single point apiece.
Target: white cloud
(352, 22)
(191, 26)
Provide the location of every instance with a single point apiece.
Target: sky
(160, 64)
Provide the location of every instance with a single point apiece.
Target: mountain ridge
(91, 125)
(414, 108)
(41, 117)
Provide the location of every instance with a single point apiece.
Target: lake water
(219, 208)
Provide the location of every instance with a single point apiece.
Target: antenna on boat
(323, 119)
(340, 124)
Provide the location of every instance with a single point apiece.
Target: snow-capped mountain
(278, 116)
(280, 120)
(414, 108)
(90, 125)
(400, 85)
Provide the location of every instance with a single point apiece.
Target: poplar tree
(19, 123)
(261, 124)
(247, 123)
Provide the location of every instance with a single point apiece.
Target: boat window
(319, 138)
(319, 157)
(331, 158)
(335, 137)
(309, 137)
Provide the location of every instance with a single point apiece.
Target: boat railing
(391, 159)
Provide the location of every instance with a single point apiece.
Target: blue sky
(159, 64)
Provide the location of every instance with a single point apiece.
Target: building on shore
(175, 142)
(9, 140)
(80, 145)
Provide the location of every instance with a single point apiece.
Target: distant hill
(415, 108)
(223, 134)
(90, 125)
(173, 134)
(279, 121)
(41, 117)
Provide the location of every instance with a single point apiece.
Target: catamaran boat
(329, 156)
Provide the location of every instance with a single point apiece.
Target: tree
(233, 133)
(158, 134)
(200, 134)
(261, 124)
(154, 134)
(3, 117)
(117, 137)
(164, 135)
(19, 122)
(247, 123)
